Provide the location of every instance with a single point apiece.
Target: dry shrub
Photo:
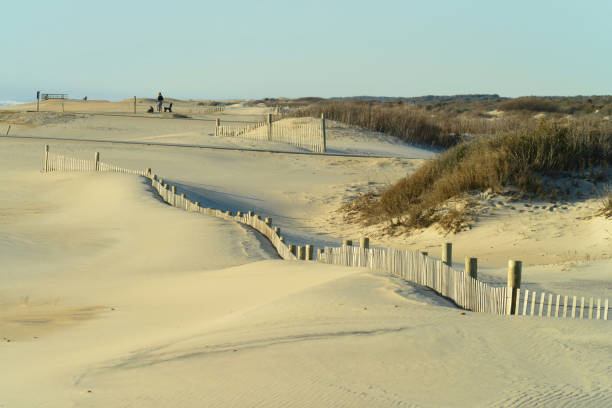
(517, 159)
(532, 104)
(606, 203)
(399, 120)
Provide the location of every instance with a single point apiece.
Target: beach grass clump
(400, 120)
(521, 159)
(606, 203)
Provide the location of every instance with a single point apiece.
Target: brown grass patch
(522, 159)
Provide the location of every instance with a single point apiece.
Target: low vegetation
(522, 159)
(490, 142)
(606, 203)
(399, 120)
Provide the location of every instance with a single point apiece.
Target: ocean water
(5, 103)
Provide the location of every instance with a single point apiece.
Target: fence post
(292, 249)
(218, 123)
(134, 104)
(277, 231)
(251, 213)
(514, 283)
(149, 173)
(309, 253)
(323, 131)
(268, 221)
(239, 214)
(46, 163)
(301, 253)
(97, 160)
(269, 122)
(319, 254)
(347, 242)
(447, 254)
(364, 242)
(471, 267)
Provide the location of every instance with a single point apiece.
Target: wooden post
(97, 160)
(471, 267)
(347, 242)
(251, 213)
(301, 253)
(269, 121)
(292, 249)
(239, 214)
(229, 213)
(319, 253)
(364, 242)
(323, 132)
(447, 253)
(37, 101)
(514, 283)
(46, 162)
(134, 104)
(268, 221)
(309, 252)
(277, 231)
(218, 123)
(149, 173)
(282, 239)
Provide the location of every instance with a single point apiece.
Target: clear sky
(252, 49)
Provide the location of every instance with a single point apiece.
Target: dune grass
(403, 121)
(521, 159)
(606, 203)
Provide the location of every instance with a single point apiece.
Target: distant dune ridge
(110, 297)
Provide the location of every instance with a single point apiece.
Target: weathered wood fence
(414, 266)
(310, 135)
(170, 195)
(204, 110)
(532, 303)
(58, 162)
(462, 287)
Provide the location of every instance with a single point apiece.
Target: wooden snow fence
(56, 162)
(532, 303)
(310, 135)
(204, 110)
(170, 195)
(462, 287)
(414, 266)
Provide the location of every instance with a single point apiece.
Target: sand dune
(109, 297)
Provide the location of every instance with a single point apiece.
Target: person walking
(160, 101)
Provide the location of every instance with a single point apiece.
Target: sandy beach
(110, 297)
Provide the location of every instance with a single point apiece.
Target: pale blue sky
(246, 49)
